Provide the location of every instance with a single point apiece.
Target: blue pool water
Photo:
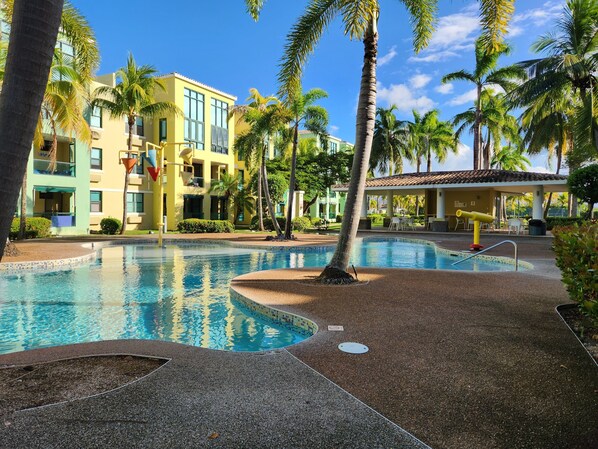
(177, 293)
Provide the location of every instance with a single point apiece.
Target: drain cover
(333, 328)
(353, 348)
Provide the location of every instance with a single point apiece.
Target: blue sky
(218, 44)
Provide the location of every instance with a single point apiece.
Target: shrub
(267, 223)
(198, 226)
(301, 223)
(35, 227)
(583, 183)
(316, 221)
(552, 222)
(377, 219)
(110, 225)
(576, 249)
(339, 218)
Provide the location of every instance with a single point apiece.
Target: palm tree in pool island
(315, 119)
(133, 97)
(360, 19)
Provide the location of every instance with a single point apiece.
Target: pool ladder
(491, 247)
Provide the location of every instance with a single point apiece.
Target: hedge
(576, 249)
(198, 226)
(301, 223)
(552, 222)
(110, 225)
(35, 227)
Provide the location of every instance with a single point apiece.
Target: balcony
(60, 219)
(195, 182)
(42, 167)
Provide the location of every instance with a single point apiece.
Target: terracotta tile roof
(459, 177)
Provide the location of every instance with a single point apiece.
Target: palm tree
(389, 146)
(25, 78)
(315, 119)
(133, 97)
(548, 125)
(485, 74)
(361, 22)
(435, 137)
(243, 201)
(510, 158)
(495, 118)
(235, 196)
(250, 146)
(569, 67)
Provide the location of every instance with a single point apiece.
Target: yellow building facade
(203, 125)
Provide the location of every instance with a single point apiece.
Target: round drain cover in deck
(353, 348)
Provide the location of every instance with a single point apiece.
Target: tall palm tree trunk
(477, 130)
(429, 160)
(288, 228)
(127, 176)
(260, 201)
(23, 213)
(335, 271)
(271, 209)
(31, 47)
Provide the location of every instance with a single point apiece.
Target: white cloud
(420, 80)
(388, 56)
(462, 160)
(444, 89)
(455, 34)
(333, 129)
(535, 17)
(404, 98)
(464, 98)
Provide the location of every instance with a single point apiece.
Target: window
(137, 127)
(219, 117)
(241, 179)
(162, 130)
(333, 147)
(95, 201)
(95, 118)
(96, 158)
(63, 56)
(194, 118)
(135, 202)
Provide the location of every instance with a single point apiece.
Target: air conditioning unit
(95, 134)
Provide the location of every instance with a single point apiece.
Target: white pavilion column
(298, 205)
(389, 204)
(364, 206)
(537, 210)
(440, 203)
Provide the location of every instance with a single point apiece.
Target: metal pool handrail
(488, 249)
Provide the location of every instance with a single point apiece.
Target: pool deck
(457, 360)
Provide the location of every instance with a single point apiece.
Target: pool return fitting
(477, 218)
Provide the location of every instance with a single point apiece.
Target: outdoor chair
(395, 223)
(429, 221)
(460, 221)
(515, 225)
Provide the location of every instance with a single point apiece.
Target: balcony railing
(42, 167)
(195, 182)
(60, 219)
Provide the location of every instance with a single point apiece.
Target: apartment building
(204, 126)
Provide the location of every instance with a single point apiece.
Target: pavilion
(469, 190)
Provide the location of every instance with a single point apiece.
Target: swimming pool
(177, 293)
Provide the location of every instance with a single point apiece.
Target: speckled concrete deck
(460, 360)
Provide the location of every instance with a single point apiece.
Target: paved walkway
(460, 360)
